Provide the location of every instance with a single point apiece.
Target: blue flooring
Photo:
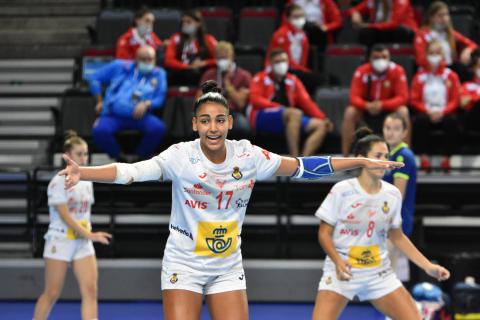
(63, 310)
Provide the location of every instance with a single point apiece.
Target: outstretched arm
(316, 167)
(121, 173)
(399, 239)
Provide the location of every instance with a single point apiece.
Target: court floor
(150, 310)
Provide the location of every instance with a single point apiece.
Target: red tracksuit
(182, 62)
(128, 44)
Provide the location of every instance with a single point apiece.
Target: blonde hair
(71, 139)
(224, 45)
(433, 9)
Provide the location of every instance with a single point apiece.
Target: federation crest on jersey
(173, 278)
(386, 207)
(237, 174)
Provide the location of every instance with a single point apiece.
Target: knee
(89, 291)
(317, 124)
(52, 294)
(293, 113)
(351, 114)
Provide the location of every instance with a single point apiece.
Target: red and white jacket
(424, 36)
(181, 63)
(401, 14)
(437, 90)
(295, 44)
(332, 17)
(472, 89)
(390, 88)
(130, 41)
(262, 90)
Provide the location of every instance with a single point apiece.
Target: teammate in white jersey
(357, 217)
(69, 237)
(212, 180)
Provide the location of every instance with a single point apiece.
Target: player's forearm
(341, 163)
(407, 247)
(72, 223)
(103, 174)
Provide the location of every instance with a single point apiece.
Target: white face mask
(298, 22)
(189, 29)
(280, 68)
(434, 59)
(380, 65)
(223, 64)
(438, 27)
(143, 30)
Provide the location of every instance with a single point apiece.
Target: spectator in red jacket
(386, 21)
(281, 105)
(190, 52)
(292, 39)
(235, 83)
(456, 47)
(323, 19)
(470, 97)
(378, 88)
(435, 97)
(138, 36)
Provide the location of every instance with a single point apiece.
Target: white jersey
(361, 222)
(78, 199)
(209, 203)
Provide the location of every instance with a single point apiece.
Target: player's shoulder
(391, 190)
(343, 187)
(240, 146)
(56, 181)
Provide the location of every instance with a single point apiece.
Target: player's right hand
(102, 237)
(344, 270)
(71, 172)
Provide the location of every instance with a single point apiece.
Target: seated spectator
(323, 19)
(235, 83)
(386, 21)
(138, 36)
(470, 97)
(190, 52)
(135, 88)
(292, 39)
(438, 27)
(277, 101)
(435, 95)
(377, 88)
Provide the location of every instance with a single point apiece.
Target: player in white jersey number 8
(357, 217)
(212, 179)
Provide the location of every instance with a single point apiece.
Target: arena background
(47, 48)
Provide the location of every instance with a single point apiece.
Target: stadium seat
(111, 24)
(403, 55)
(218, 21)
(341, 61)
(347, 34)
(77, 112)
(250, 61)
(177, 112)
(167, 22)
(464, 24)
(333, 102)
(257, 24)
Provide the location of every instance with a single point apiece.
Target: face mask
(380, 65)
(280, 68)
(223, 64)
(145, 67)
(143, 30)
(438, 27)
(298, 22)
(189, 29)
(434, 59)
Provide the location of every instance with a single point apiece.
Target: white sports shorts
(57, 247)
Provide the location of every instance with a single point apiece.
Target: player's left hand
(382, 164)
(438, 272)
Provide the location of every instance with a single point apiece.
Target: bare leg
(292, 118)
(398, 305)
(85, 270)
(351, 117)
(181, 304)
(236, 302)
(317, 129)
(328, 305)
(55, 271)
(403, 111)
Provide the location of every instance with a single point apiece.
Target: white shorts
(59, 248)
(369, 286)
(204, 284)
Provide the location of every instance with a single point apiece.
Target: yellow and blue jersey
(403, 154)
